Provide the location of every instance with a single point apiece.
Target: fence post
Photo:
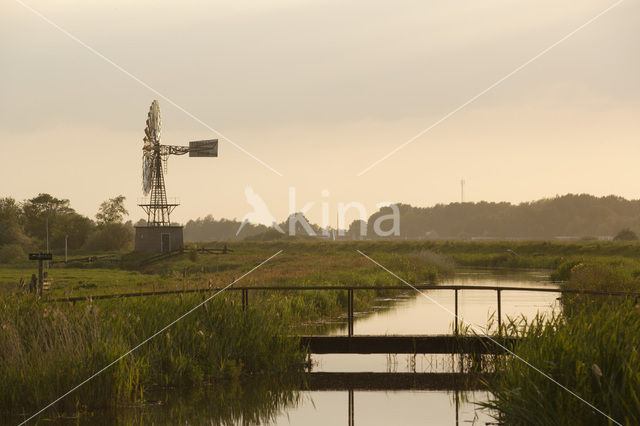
(350, 312)
(245, 299)
(456, 311)
(499, 291)
(352, 417)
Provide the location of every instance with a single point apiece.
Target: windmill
(159, 234)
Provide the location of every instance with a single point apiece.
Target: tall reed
(46, 349)
(593, 352)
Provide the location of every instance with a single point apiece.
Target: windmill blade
(154, 122)
(147, 174)
(149, 147)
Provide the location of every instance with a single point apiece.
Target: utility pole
(462, 191)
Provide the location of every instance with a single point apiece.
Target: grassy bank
(591, 348)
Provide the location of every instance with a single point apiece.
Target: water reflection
(257, 401)
(413, 314)
(323, 400)
(389, 408)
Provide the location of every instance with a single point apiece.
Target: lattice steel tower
(158, 209)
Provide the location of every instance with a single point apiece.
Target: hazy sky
(319, 90)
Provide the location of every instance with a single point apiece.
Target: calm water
(255, 402)
(413, 314)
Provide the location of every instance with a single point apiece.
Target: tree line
(571, 216)
(25, 226)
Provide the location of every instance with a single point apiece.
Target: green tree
(111, 234)
(112, 211)
(356, 229)
(11, 228)
(62, 219)
(111, 237)
(73, 227)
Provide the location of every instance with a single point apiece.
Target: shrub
(626, 234)
(111, 237)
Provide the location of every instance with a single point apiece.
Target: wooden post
(40, 277)
(456, 311)
(457, 407)
(499, 310)
(352, 419)
(245, 299)
(350, 312)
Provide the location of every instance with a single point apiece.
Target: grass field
(315, 263)
(299, 264)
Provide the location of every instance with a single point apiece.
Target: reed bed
(591, 348)
(46, 349)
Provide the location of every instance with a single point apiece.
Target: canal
(256, 402)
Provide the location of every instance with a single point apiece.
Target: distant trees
(23, 226)
(45, 211)
(626, 234)
(13, 239)
(357, 230)
(111, 233)
(571, 215)
(211, 229)
(11, 224)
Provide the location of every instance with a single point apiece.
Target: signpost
(40, 257)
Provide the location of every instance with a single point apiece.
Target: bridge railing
(350, 295)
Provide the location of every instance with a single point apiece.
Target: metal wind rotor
(151, 146)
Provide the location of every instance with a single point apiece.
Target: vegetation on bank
(48, 348)
(591, 348)
(593, 352)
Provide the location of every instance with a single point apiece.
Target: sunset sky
(320, 90)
